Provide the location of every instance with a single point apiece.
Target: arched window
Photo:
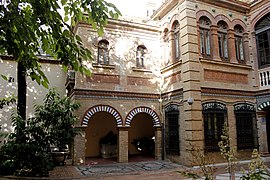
(223, 40)
(140, 56)
(214, 115)
(205, 47)
(172, 130)
(176, 42)
(245, 126)
(239, 43)
(103, 53)
(263, 40)
(166, 49)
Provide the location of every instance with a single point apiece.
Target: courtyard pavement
(148, 170)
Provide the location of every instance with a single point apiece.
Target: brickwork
(101, 78)
(140, 81)
(166, 79)
(212, 75)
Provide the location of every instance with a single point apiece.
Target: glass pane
(225, 46)
(202, 41)
(220, 46)
(207, 43)
(241, 49)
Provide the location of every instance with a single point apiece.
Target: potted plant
(108, 145)
(57, 115)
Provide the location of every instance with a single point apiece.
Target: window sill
(171, 66)
(136, 69)
(226, 63)
(105, 66)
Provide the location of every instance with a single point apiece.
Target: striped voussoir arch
(263, 105)
(102, 108)
(147, 110)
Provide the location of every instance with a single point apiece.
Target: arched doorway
(141, 138)
(264, 114)
(144, 134)
(101, 134)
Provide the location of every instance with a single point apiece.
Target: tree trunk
(21, 80)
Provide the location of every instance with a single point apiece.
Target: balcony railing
(264, 76)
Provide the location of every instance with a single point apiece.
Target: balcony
(264, 76)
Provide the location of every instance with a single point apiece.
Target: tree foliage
(28, 27)
(27, 151)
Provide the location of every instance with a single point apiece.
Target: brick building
(177, 76)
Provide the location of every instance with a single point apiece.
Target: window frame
(263, 50)
(247, 138)
(176, 41)
(172, 130)
(103, 52)
(223, 41)
(213, 112)
(205, 36)
(239, 44)
(141, 52)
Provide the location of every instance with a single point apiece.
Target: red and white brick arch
(102, 108)
(147, 110)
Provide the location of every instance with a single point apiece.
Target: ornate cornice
(227, 92)
(83, 93)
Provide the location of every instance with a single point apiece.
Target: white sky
(135, 8)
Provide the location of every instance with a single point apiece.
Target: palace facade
(177, 76)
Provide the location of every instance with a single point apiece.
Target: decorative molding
(102, 108)
(104, 66)
(244, 107)
(263, 105)
(214, 106)
(135, 111)
(84, 93)
(227, 92)
(171, 107)
(136, 69)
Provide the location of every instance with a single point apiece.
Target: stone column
(78, 150)
(262, 132)
(232, 126)
(191, 77)
(122, 147)
(246, 48)
(231, 46)
(158, 143)
(214, 43)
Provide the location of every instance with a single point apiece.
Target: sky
(135, 8)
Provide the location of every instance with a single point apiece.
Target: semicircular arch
(207, 14)
(102, 108)
(263, 105)
(143, 109)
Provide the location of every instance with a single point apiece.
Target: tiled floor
(132, 158)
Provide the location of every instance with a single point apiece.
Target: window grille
(172, 130)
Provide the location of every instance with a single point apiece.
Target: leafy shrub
(27, 151)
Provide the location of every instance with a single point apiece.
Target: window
(239, 43)
(214, 115)
(176, 42)
(103, 53)
(172, 130)
(205, 36)
(140, 56)
(263, 40)
(222, 40)
(245, 126)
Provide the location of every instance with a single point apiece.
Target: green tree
(28, 26)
